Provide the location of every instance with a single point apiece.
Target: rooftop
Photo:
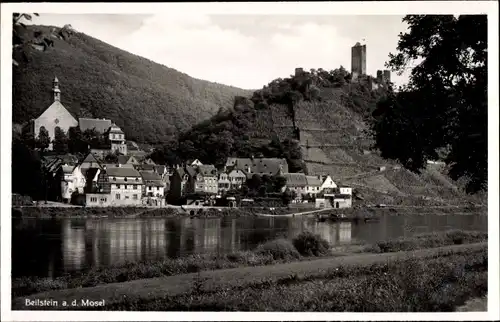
(100, 125)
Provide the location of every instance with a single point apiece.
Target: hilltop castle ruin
(358, 69)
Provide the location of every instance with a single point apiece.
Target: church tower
(358, 61)
(56, 90)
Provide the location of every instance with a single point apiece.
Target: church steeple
(56, 90)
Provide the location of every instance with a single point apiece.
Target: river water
(52, 247)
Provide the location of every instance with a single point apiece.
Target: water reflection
(53, 247)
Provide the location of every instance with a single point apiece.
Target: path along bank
(206, 284)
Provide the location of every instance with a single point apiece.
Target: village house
(223, 183)
(117, 186)
(205, 179)
(338, 197)
(313, 185)
(113, 132)
(328, 183)
(117, 139)
(236, 179)
(55, 116)
(153, 192)
(179, 183)
(73, 181)
(297, 183)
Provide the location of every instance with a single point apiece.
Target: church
(56, 115)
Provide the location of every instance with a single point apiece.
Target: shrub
(279, 249)
(309, 244)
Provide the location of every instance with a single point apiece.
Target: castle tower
(387, 75)
(56, 90)
(380, 76)
(299, 71)
(358, 60)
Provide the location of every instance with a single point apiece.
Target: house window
(134, 197)
(126, 197)
(114, 178)
(136, 179)
(117, 196)
(135, 186)
(93, 199)
(103, 199)
(149, 188)
(125, 179)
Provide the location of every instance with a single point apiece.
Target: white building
(72, 181)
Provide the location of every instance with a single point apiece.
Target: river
(52, 247)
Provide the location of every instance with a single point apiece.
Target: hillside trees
(444, 104)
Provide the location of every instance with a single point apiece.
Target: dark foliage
(60, 142)
(444, 105)
(27, 174)
(309, 244)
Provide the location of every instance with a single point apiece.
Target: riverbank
(304, 247)
(125, 212)
(437, 279)
(219, 212)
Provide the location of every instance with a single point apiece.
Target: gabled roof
(237, 172)
(269, 166)
(57, 108)
(190, 171)
(313, 181)
(67, 169)
(160, 169)
(146, 167)
(146, 175)
(101, 125)
(89, 158)
(295, 179)
(181, 172)
(122, 172)
(122, 159)
(115, 129)
(151, 179)
(207, 170)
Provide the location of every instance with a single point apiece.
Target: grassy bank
(441, 283)
(217, 212)
(304, 247)
(121, 212)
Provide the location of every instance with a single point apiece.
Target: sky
(246, 51)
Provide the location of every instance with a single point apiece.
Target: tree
(38, 40)
(76, 143)
(60, 142)
(112, 157)
(43, 139)
(445, 101)
(27, 171)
